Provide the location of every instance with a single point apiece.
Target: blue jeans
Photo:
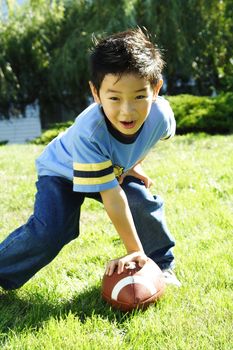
(55, 222)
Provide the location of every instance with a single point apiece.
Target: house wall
(22, 128)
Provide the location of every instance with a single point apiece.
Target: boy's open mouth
(129, 125)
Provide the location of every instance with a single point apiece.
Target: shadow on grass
(18, 314)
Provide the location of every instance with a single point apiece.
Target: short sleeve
(92, 170)
(170, 124)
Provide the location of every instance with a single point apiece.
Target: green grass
(60, 308)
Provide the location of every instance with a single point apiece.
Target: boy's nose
(126, 109)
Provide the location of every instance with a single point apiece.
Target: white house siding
(21, 129)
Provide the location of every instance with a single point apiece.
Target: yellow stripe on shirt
(93, 180)
(92, 167)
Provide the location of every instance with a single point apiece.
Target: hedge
(212, 115)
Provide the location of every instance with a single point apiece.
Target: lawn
(60, 308)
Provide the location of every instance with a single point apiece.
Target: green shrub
(49, 134)
(212, 115)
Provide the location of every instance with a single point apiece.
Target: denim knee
(141, 200)
(27, 250)
(55, 222)
(50, 236)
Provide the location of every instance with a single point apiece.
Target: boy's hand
(138, 257)
(139, 173)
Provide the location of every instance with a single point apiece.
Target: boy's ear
(94, 92)
(157, 88)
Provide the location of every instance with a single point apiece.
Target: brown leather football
(135, 287)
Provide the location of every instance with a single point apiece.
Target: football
(135, 287)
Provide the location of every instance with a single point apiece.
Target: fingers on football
(142, 261)
(111, 267)
(121, 264)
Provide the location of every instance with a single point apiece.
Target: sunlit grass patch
(61, 308)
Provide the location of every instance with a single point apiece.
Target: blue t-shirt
(93, 154)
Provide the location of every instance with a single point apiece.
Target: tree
(209, 32)
(195, 36)
(27, 40)
(44, 48)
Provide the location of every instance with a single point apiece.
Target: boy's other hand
(120, 263)
(139, 173)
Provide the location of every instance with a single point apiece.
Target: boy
(99, 156)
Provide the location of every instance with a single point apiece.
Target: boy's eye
(140, 97)
(114, 98)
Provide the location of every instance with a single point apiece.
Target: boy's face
(126, 101)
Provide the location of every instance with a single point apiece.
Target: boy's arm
(116, 205)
